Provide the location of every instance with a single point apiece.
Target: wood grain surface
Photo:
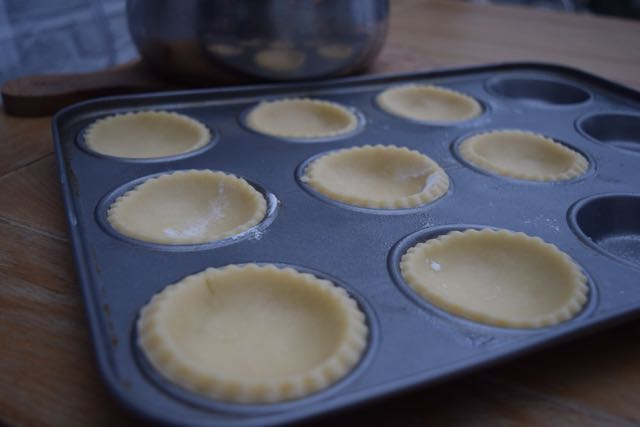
(48, 375)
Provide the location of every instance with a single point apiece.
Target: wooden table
(48, 375)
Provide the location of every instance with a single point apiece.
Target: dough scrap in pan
(301, 118)
(253, 333)
(523, 155)
(377, 176)
(186, 207)
(428, 103)
(500, 278)
(146, 134)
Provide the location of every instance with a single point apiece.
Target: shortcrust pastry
(377, 176)
(253, 333)
(146, 134)
(523, 155)
(301, 118)
(184, 207)
(428, 103)
(279, 60)
(501, 278)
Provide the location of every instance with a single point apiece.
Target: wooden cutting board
(45, 94)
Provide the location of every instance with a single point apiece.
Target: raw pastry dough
(146, 134)
(301, 118)
(194, 206)
(523, 155)
(428, 103)
(377, 177)
(253, 334)
(279, 60)
(500, 278)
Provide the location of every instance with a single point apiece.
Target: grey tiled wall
(47, 36)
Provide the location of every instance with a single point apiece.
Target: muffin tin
(593, 218)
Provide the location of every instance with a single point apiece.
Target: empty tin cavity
(538, 90)
(617, 129)
(187, 210)
(609, 223)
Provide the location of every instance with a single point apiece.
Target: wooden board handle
(46, 94)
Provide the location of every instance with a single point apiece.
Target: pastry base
(428, 103)
(377, 176)
(253, 334)
(147, 134)
(523, 155)
(500, 278)
(301, 118)
(187, 207)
